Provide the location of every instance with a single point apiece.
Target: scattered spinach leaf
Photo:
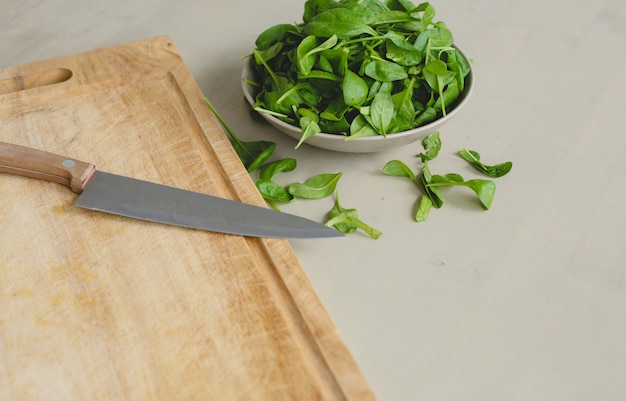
(433, 193)
(279, 166)
(347, 220)
(430, 184)
(496, 171)
(397, 168)
(485, 189)
(423, 208)
(270, 190)
(316, 187)
(252, 154)
(273, 192)
(432, 146)
(431, 196)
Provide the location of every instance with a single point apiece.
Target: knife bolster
(28, 162)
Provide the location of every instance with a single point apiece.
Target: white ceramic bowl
(366, 144)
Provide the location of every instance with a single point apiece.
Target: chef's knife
(144, 200)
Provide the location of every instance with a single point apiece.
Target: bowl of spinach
(361, 76)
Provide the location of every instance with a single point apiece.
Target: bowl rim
(464, 97)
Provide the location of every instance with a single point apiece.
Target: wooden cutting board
(100, 307)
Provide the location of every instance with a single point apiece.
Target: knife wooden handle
(29, 162)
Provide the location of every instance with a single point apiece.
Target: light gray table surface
(526, 301)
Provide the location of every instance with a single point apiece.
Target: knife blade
(130, 197)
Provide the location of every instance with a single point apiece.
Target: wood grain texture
(95, 306)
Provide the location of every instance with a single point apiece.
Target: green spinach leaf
(382, 112)
(316, 187)
(397, 168)
(348, 221)
(307, 50)
(423, 208)
(432, 146)
(269, 170)
(309, 127)
(433, 193)
(342, 22)
(360, 127)
(385, 71)
(273, 192)
(401, 51)
(273, 35)
(485, 189)
(252, 154)
(496, 171)
(438, 77)
(355, 89)
(430, 184)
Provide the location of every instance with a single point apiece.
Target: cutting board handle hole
(36, 80)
